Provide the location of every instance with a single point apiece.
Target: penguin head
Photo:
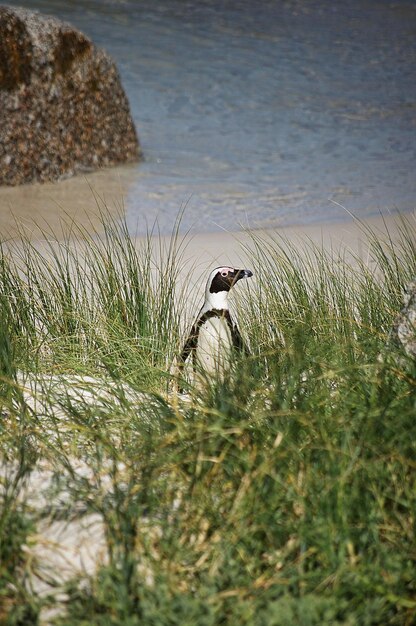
(221, 280)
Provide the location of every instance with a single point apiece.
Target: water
(262, 113)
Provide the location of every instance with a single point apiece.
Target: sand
(228, 248)
(50, 204)
(80, 199)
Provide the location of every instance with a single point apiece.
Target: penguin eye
(224, 274)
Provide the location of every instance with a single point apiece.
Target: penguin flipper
(189, 346)
(238, 341)
(236, 338)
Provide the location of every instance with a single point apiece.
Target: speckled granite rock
(404, 328)
(62, 107)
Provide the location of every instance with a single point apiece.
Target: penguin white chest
(214, 344)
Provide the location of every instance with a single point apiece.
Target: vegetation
(282, 493)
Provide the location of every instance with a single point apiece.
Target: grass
(282, 493)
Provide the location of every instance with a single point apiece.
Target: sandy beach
(136, 487)
(50, 205)
(53, 209)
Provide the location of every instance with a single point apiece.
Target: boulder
(63, 109)
(404, 327)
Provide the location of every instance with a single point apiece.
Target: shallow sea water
(259, 114)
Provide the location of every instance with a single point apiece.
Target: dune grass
(282, 493)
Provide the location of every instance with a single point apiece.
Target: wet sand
(49, 206)
(52, 210)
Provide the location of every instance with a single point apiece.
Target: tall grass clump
(282, 492)
(93, 300)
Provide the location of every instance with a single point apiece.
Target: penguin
(214, 334)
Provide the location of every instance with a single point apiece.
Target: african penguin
(214, 334)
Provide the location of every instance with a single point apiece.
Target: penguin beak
(239, 274)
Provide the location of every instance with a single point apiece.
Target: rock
(62, 107)
(404, 327)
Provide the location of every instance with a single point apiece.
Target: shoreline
(86, 201)
(57, 214)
